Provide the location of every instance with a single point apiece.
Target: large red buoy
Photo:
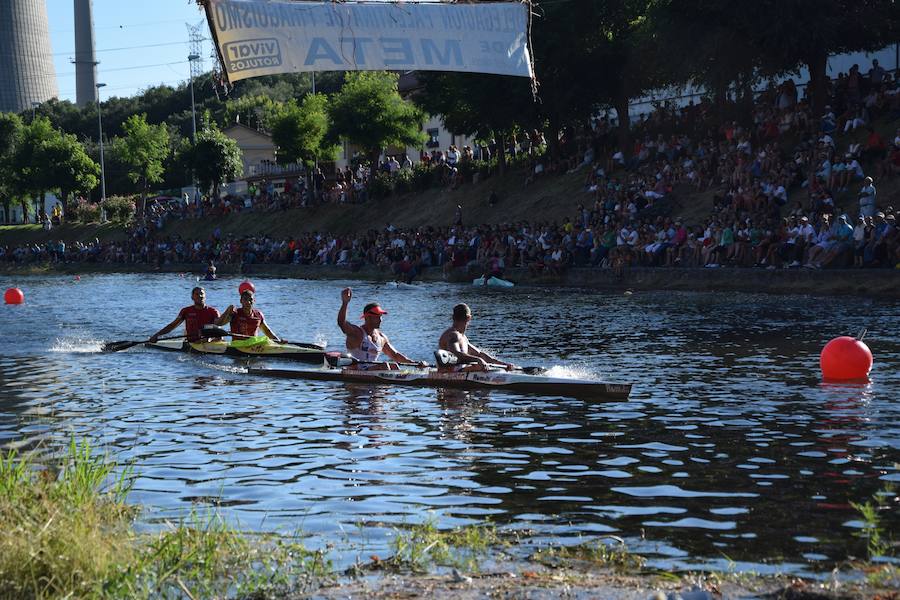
(246, 285)
(14, 296)
(844, 359)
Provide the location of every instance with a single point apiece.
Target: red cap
(373, 309)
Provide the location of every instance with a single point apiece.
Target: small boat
(255, 347)
(430, 377)
(492, 282)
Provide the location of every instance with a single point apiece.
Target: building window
(433, 141)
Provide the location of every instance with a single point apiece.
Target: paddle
(213, 331)
(126, 344)
(445, 358)
(338, 359)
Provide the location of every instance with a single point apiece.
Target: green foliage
(62, 528)
(381, 185)
(65, 532)
(488, 106)
(32, 173)
(728, 42)
(71, 169)
(144, 149)
(10, 138)
(299, 130)
(256, 110)
(369, 112)
(594, 552)
(215, 158)
(873, 531)
(14, 474)
(120, 209)
(468, 168)
(419, 547)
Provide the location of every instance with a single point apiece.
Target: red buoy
(246, 285)
(844, 359)
(14, 296)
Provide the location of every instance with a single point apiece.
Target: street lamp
(34, 105)
(100, 125)
(191, 59)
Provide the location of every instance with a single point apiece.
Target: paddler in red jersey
(469, 358)
(366, 343)
(194, 318)
(246, 320)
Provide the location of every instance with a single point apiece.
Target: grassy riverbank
(66, 531)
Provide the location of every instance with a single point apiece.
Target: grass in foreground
(66, 532)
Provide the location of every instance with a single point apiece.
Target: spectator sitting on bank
(537, 170)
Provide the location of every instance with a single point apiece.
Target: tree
(586, 53)
(739, 41)
(215, 158)
(474, 104)
(807, 32)
(10, 138)
(144, 150)
(32, 169)
(247, 109)
(611, 66)
(369, 112)
(299, 131)
(71, 169)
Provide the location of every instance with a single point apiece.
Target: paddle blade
(444, 358)
(118, 346)
(310, 345)
(213, 331)
(533, 370)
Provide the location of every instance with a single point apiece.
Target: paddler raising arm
(246, 320)
(469, 358)
(366, 343)
(194, 318)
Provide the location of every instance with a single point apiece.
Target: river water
(730, 452)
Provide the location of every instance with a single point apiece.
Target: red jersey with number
(195, 318)
(245, 324)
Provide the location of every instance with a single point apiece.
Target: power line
(108, 49)
(131, 68)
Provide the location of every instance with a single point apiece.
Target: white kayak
(492, 282)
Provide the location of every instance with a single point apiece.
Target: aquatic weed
(594, 552)
(421, 546)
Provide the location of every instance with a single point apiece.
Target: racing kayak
(255, 347)
(430, 377)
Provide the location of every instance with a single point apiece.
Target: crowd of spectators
(784, 189)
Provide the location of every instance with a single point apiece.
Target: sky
(139, 43)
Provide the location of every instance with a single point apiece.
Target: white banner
(265, 37)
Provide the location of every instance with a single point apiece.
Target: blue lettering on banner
(451, 47)
(320, 48)
(397, 51)
(252, 54)
(495, 47)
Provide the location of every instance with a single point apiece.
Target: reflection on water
(729, 445)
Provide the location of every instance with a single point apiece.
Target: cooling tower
(26, 59)
(85, 63)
